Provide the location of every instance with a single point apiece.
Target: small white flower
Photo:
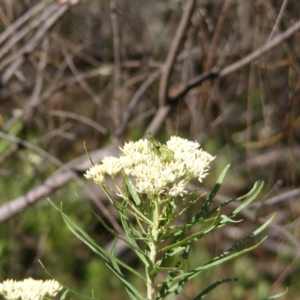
(178, 189)
(96, 173)
(152, 175)
(111, 165)
(29, 289)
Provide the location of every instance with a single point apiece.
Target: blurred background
(104, 72)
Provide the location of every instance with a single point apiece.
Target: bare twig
(65, 174)
(33, 147)
(287, 196)
(190, 85)
(168, 65)
(51, 18)
(251, 216)
(5, 20)
(163, 111)
(79, 79)
(275, 28)
(27, 29)
(117, 61)
(217, 32)
(260, 51)
(57, 131)
(80, 118)
(159, 118)
(39, 78)
(134, 101)
(12, 70)
(22, 20)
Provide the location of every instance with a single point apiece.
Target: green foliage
(40, 233)
(13, 131)
(162, 228)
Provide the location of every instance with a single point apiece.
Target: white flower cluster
(153, 175)
(29, 289)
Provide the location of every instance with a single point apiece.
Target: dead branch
(60, 178)
(168, 65)
(117, 62)
(162, 112)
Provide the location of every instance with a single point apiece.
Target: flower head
(152, 174)
(29, 289)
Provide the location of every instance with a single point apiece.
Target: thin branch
(260, 51)
(167, 68)
(28, 47)
(32, 147)
(39, 78)
(217, 32)
(287, 196)
(27, 29)
(12, 70)
(4, 19)
(9, 152)
(159, 118)
(60, 178)
(162, 112)
(66, 173)
(275, 28)
(117, 61)
(190, 85)
(61, 131)
(79, 79)
(134, 101)
(79, 118)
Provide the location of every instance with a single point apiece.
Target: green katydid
(163, 152)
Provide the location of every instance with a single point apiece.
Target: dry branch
(168, 65)
(60, 178)
(162, 112)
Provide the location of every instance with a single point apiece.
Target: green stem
(154, 235)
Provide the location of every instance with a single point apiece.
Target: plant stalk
(154, 232)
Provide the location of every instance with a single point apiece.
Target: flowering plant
(29, 289)
(151, 201)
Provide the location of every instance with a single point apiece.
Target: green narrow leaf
(111, 199)
(133, 192)
(212, 194)
(83, 236)
(116, 266)
(252, 196)
(166, 286)
(278, 295)
(77, 231)
(235, 200)
(190, 239)
(213, 286)
(87, 153)
(188, 205)
(107, 257)
(219, 206)
(199, 215)
(226, 220)
(63, 296)
(132, 243)
(239, 243)
(182, 245)
(167, 289)
(68, 289)
(183, 278)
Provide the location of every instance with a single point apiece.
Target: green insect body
(163, 152)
